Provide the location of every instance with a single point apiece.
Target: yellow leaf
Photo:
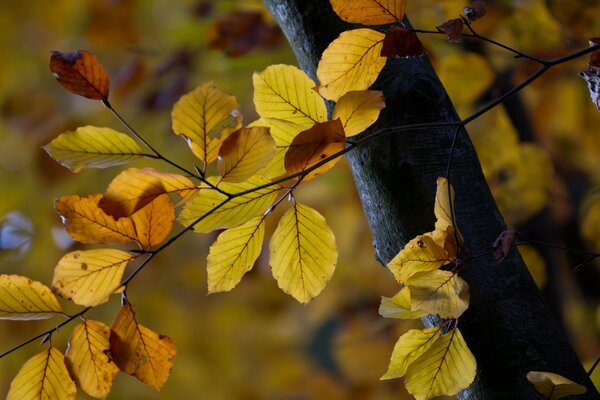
(419, 255)
(303, 253)
(140, 352)
(285, 92)
(399, 306)
(154, 221)
(93, 147)
(444, 211)
(89, 277)
(88, 360)
(408, 348)
(314, 145)
(134, 188)
(457, 70)
(205, 117)
(350, 62)
(554, 386)
(445, 368)
(358, 110)
(233, 254)
(43, 377)
(370, 12)
(244, 153)
(24, 299)
(443, 293)
(237, 211)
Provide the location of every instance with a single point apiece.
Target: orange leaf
(453, 28)
(370, 12)
(401, 43)
(140, 352)
(314, 145)
(81, 73)
(244, 153)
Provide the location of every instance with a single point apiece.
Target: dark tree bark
(507, 326)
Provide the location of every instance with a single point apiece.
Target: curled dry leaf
(554, 386)
(592, 75)
(595, 56)
(81, 73)
(401, 43)
(453, 28)
(501, 245)
(475, 10)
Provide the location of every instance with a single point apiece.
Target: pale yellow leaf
(408, 348)
(140, 352)
(237, 211)
(439, 292)
(303, 253)
(233, 254)
(553, 386)
(244, 153)
(24, 299)
(445, 368)
(370, 12)
(88, 358)
(350, 62)
(358, 110)
(399, 306)
(43, 377)
(205, 117)
(89, 277)
(93, 147)
(285, 92)
(444, 213)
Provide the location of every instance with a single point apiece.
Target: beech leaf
(81, 73)
(502, 244)
(357, 110)
(553, 386)
(399, 306)
(244, 153)
(408, 348)
(438, 292)
(24, 299)
(453, 28)
(401, 43)
(370, 12)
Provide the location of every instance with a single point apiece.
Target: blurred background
(540, 154)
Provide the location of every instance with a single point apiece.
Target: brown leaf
(475, 10)
(502, 244)
(314, 145)
(595, 56)
(401, 43)
(453, 28)
(81, 73)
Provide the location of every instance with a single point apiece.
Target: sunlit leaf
(358, 110)
(205, 117)
(370, 12)
(553, 386)
(401, 43)
(314, 145)
(233, 254)
(438, 292)
(81, 73)
(140, 352)
(244, 153)
(444, 214)
(43, 377)
(89, 277)
(445, 368)
(24, 299)
(285, 92)
(399, 306)
(237, 211)
(88, 358)
(134, 188)
(350, 62)
(408, 348)
(303, 253)
(154, 221)
(93, 147)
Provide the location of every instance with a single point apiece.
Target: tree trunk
(507, 325)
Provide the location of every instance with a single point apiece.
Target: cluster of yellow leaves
(435, 361)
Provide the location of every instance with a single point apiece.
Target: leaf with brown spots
(24, 299)
(81, 73)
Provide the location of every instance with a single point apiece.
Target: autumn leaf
(285, 92)
(88, 359)
(357, 110)
(595, 56)
(553, 386)
(350, 62)
(370, 12)
(233, 254)
(43, 376)
(89, 277)
(502, 244)
(135, 188)
(399, 306)
(401, 43)
(24, 299)
(438, 292)
(244, 153)
(93, 147)
(140, 352)
(453, 28)
(235, 212)
(443, 210)
(81, 73)
(410, 346)
(314, 145)
(204, 117)
(592, 75)
(303, 253)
